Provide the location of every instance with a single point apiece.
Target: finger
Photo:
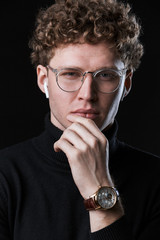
(56, 147)
(63, 145)
(79, 136)
(71, 135)
(89, 125)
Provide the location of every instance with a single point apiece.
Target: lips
(87, 113)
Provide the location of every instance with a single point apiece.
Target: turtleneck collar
(45, 142)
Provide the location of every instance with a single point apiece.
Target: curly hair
(94, 21)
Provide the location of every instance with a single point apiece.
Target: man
(76, 180)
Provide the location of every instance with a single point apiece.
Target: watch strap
(90, 204)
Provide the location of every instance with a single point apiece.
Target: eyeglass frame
(54, 70)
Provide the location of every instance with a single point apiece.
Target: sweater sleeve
(121, 230)
(118, 230)
(4, 225)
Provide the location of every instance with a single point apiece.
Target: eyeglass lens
(71, 80)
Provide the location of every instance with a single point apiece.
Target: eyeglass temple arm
(52, 69)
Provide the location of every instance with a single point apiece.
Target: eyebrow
(70, 66)
(78, 68)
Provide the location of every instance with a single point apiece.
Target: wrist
(100, 219)
(104, 207)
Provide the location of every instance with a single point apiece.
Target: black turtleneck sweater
(40, 201)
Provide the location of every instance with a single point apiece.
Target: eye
(107, 75)
(70, 74)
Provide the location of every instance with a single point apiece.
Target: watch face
(106, 197)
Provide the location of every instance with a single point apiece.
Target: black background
(23, 106)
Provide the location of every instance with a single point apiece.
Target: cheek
(110, 106)
(109, 102)
(59, 101)
(116, 101)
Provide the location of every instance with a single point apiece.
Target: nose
(88, 90)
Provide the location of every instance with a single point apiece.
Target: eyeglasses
(71, 80)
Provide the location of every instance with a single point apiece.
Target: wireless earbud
(46, 89)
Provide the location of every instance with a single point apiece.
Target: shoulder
(138, 160)
(16, 148)
(17, 164)
(16, 153)
(14, 168)
(136, 153)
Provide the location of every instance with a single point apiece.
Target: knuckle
(95, 142)
(74, 125)
(68, 133)
(85, 148)
(77, 155)
(89, 121)
(65, 133)
(104, 140)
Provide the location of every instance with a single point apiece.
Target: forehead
(85, 56)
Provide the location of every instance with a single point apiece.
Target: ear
(42, 77)
(127, 84)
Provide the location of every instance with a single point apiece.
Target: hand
(87, 150)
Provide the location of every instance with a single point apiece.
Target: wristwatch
(105, 198)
